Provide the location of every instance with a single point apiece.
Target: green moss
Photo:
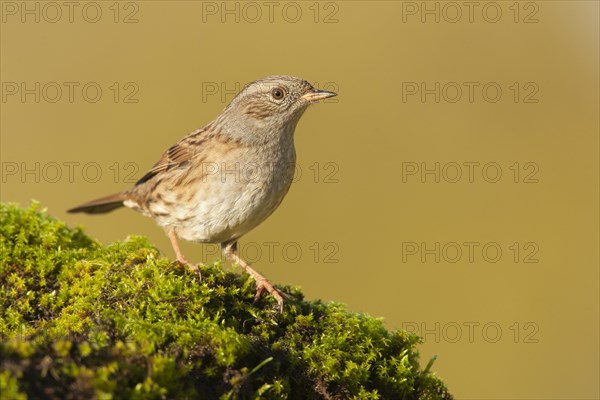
(82, 320)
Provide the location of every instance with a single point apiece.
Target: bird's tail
(101, 205)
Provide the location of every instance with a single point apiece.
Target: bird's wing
(177, 155)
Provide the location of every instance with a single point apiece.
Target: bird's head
(269, 106)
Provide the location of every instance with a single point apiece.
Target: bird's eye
(277, 93)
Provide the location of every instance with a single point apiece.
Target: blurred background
(451, 188)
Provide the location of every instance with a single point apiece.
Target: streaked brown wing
(176, 156)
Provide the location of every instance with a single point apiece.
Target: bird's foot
(181, 260)
(263, 284)
(184, 263)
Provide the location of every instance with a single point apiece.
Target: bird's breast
(225, 198)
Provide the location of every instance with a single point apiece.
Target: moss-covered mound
(79, 320)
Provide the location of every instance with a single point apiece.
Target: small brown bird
(222, 180)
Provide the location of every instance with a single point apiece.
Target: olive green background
(502, 329)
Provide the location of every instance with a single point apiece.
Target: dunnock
(222, 180)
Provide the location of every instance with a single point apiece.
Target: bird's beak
(314, 95)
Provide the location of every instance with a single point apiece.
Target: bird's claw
(183, 263)
(261, 285)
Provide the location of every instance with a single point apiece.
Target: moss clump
(81, 320)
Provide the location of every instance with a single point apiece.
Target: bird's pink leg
(262, 283)
(180, 258)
